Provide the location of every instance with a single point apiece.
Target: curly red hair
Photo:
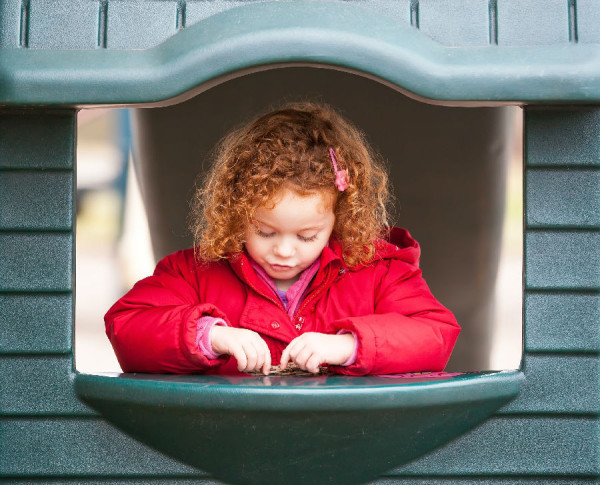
(289, 148)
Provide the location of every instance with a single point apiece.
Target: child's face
(288, 238)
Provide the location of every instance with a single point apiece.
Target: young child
(293, 263)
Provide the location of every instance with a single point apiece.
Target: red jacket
(400, 326)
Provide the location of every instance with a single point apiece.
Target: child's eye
(264, 234)
(307, 239)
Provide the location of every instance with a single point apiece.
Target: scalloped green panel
(352, 36)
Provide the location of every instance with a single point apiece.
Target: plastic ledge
(297, 429)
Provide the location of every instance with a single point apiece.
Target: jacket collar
(331, 260)
(398, 244)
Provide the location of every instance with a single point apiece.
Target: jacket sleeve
(153, 327)
(410, 331)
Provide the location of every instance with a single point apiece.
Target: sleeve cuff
(352, 359)
(204, 326)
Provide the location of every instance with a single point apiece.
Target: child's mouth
(280, 267)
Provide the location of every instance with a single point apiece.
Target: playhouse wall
(142, 24)
(549, 435)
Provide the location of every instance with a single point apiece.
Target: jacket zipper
(314, 295)
(305, 303)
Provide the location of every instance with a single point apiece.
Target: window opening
(114, 248)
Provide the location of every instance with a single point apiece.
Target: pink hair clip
(340, 175)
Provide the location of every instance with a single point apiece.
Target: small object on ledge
(293, 370)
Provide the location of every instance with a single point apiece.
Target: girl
(292, 263)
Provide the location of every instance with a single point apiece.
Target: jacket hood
(396, 244)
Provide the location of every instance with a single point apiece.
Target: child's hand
(312, 349)
(247, 347)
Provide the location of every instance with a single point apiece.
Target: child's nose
(284, 248)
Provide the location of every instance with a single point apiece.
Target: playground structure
(57, 57)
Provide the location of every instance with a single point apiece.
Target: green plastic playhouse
(189, 59)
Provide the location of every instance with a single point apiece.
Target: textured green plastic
(515, 26)
(237, 428)
(36, 140)
(134, 24)
(446, 23)
(567, 198)
(548, 317)
(38, 385)
(546, 436)
(561, 259)
(78, 22)
(562, 276)
(45, 200)
(588, 13)
(343, 35)
(550, 383)
(562, 136)
(34, 323)
(79, 449)
(90, 450)
(519, 446)
(157, 20)
(24, 270)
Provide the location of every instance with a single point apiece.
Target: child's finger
(285, 355)
(313, 363)
(251, 356)
(263, 355)
(267, 363)
(295, 348)
(260, 355)
(302, 355)
(239, 355)
(285, 358)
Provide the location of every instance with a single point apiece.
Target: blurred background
(112, 240)
(114, 248)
